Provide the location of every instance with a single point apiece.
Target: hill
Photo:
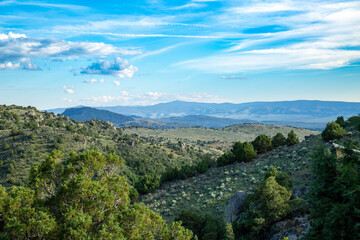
(216, 140)
(204, 121)
(27, 136)
(88, 113)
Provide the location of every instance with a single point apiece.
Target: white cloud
(101, 81)
(14, 47)
(117, 83)
(119, 68)
(9, 65)
(92, 80)
(69, 90)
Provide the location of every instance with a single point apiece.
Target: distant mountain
(289, 111)
(205, 121)
(61, 110)
(88, 113)
(119, 120)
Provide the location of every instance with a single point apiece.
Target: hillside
(204, 121)
(212, 190)
(27, 136)
(216, 140)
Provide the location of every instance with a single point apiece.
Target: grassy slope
(217, 140)
(211, 191)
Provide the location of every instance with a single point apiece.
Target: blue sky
(102, 53)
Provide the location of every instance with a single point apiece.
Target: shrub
(245, 153)
(269, 203)
(262, 143)
(278, 140)
(226, 159)
(340, 120)
(14, 131)
(204, 226)
(332, 131)
(147, 184)
(292, 139)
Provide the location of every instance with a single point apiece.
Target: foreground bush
(335, 195)
(84, 198)
(204, 226)
(269, 203)
(332, 131)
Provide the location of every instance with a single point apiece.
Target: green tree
(278, 140)
(82, 198)
(335, 195)
(245, 153)
(340, 120)
(292, 139)
(262, 143)
(332, 131)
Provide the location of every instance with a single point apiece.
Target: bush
(14, 131)
(204, 226)
(292, 139)
(226, 159)
(147, 184)
(245, 153)
(278, 140)
(332, 131)
(269, 203)
(340, 120)
(262, 143)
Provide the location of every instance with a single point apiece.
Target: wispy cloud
(156, 52)
(188, 5)
(43, 4)
(233, 77)
(117, 83)
(318, 36)
(69, 90)
(119, 68)
(150, 98)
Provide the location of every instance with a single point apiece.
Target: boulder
(234, 205)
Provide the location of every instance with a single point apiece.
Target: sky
(131, 52)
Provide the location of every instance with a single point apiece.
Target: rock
(293, 229)
(299, 192)
(234, 205)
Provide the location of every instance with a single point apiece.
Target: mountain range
(302, 113)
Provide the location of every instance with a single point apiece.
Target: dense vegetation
(335, 193)
(83, 198)
(28, 136)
